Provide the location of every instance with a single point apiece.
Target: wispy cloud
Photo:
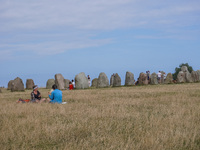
(51, 27)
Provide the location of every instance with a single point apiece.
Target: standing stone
(66, 81)
(169, 79)
(143, 79)
(181, 77)
(17, 85)
(129, 79)
(102, 80)
(112, 79)
(154, 79)
(81, 81)
(29, 84)
(184, 69)
(59, 81)
(195, 76)
(10, 84)
(0, 90)
(94, 82)
(117, 80)
(50, 83)
(198, 74)
(188, 77)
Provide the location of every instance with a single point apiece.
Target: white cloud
(91, 14)
(50, 27)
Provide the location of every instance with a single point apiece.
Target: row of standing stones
(81, 81)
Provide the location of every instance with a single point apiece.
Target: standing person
(55, 96)
(36, 96)
(159, 74)
(89, 80)
(148, 75)
(71, 87)
(73, 83)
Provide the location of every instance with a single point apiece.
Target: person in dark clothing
(36, 96)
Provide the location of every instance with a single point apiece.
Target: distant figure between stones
(36, 96)
(71, 87)
(148, 75)
(73, 83)
(159, 74)
(89, 80)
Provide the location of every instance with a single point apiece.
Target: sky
(40, 38)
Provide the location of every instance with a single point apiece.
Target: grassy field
(140, 118)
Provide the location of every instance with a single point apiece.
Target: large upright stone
(81, 81)
(154, 79)
(143, 79)
(198, 73)
(17, 85)
(188, 77)
(50, 83)
(169, 79)
(195, 76)
(0, 90)
(184, 69)
(112, 79)
(102, 80)
(117, 80)
(29, 84)
(10, 84)
(59, 81)
(129, 80)
(181, 77)
(66, 81)
(94, 82)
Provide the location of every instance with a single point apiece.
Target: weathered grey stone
(59, 81)
(195, 76)
(188, 77)
(198, 73)
(169, 79)
(94, 82)
(143, 79)
(10, 84)
(29, 84)
(117, 80)
(81, 81)
(102, 80)
(154, 79)
(184, 69)
(66, 81)
(112, 79)
(50, 83)
(162, 77)
(129, 80)
(17, 85)
(181, 77)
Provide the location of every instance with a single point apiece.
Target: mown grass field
(136, 118)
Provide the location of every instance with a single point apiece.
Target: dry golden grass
(142, 117)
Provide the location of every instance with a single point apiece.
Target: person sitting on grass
(36, 96)
(55, 96)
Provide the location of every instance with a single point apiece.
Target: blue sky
(41, 38)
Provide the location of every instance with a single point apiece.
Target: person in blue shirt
(56, 95)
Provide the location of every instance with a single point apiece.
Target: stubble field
(139, 117)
